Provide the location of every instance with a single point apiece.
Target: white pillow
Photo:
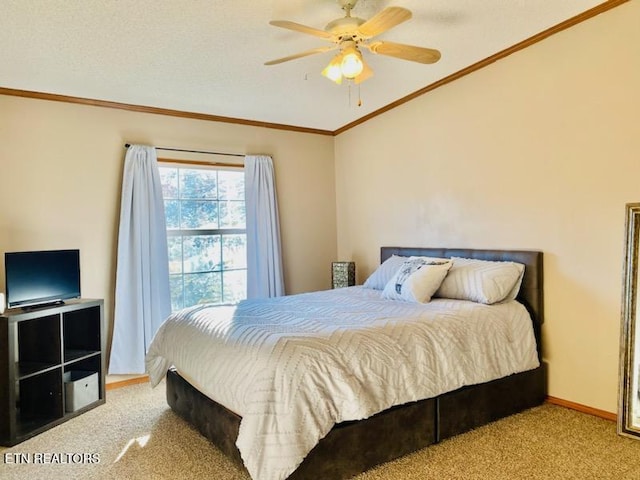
(516, 287)
(482, 281)
(387, 269)
(416, 280)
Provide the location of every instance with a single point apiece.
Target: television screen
(36, 278)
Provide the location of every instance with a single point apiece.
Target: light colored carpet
(138, 437)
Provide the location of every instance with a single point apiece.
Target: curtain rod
(127, 145)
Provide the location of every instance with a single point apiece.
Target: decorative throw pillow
(416, 280)
(481, 281)
(381, 276)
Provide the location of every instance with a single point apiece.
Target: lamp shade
(351, 65)
(343, 274)
(333, 71)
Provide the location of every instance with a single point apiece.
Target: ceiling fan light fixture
(333, 71)
(351, 64)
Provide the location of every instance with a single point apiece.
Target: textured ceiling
(208, 56)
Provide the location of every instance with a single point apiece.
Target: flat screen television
(39, 278)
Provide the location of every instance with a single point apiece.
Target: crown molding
(156, 110)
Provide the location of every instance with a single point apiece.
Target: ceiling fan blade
(405, 52)
(383, 21)
(366, 73)
(301, 54)
(297, 27)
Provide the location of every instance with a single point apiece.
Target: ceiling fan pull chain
(359, 97)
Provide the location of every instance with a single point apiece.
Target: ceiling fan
(350, 35)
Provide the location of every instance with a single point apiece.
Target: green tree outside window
(206, 233)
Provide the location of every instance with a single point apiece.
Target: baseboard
(127, 382)
(583, 408)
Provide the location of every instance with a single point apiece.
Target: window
(206, 234)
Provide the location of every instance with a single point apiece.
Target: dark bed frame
(353, 447)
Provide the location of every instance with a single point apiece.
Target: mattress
(292, 367)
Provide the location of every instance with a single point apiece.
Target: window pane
(202, 288)
(201, 253)
(197, 183)
(175, 283)
(199, 214)
(235, 286)
(234, 251)
(232, 214)
(174, 246)
(169, 180)
(231, 185)
(205, 268)
(172, 214)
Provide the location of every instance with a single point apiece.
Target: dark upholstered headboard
(531, 291)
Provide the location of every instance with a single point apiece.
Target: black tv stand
(46, 352)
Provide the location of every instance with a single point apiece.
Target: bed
(353, 446)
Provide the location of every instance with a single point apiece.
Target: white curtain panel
(142, 299)
(264, 259)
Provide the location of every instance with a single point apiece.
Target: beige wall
(537, 151)
(61, 171)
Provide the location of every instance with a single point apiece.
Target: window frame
(193, 232)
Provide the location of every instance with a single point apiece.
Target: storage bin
(80, 389)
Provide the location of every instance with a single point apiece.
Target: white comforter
(294, 366)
